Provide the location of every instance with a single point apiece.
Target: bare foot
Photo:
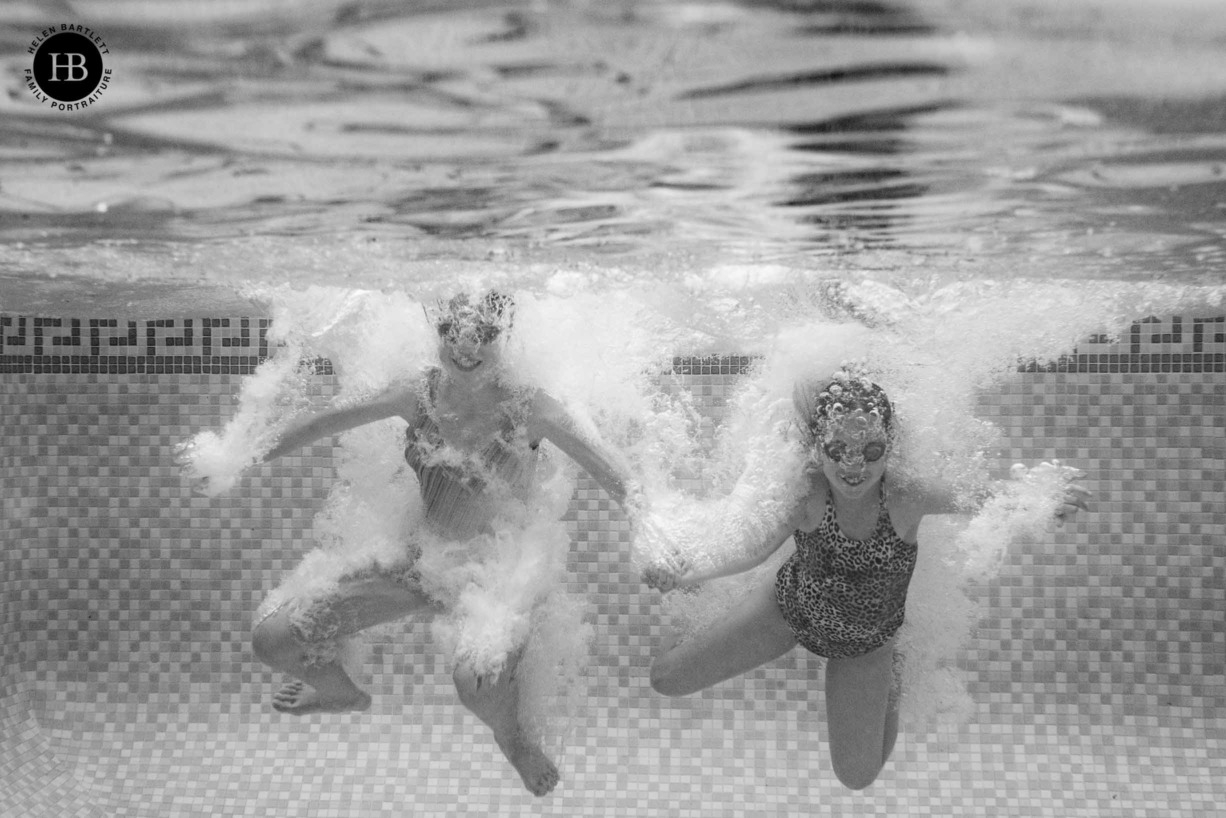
(297, 698)
(534, 767)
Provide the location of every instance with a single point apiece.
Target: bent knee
(273, 641)
(856, 777)
(667, 682)
(472, 687)
(485, 693)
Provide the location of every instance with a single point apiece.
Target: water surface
(644, 144)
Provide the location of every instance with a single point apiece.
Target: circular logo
(67, 66)
(67, 71)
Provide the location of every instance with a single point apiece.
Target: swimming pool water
(969, 176)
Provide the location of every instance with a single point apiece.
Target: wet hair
(848, 390)
(488, 317)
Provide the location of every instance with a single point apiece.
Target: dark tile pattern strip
(146, 338)
(236, 346)
(182, 346)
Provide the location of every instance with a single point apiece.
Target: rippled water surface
(718, 146)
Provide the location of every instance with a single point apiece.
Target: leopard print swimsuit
(843, 597)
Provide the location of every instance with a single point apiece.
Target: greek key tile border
(221, 346)
(113, 346)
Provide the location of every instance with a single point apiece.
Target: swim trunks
(843, 597)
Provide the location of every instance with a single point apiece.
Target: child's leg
(862, 714)
(753, 633)
(494, 698)
(300, 638)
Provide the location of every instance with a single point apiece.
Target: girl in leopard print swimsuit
(842, 597)
(842, 594)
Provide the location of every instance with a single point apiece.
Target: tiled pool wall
(128, 687)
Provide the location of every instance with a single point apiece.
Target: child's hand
(185, 459)
(1075, 497)
(667, 574)
(668, 565)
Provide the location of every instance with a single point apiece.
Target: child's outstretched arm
(728, 535)
(214, 462)
(551, 421)
(336, 419)
(1048, 491)
(1062, 481)
(677, 570)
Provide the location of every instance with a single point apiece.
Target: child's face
(469, 348)
(852, 453)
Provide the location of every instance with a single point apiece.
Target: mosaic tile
(129, 688)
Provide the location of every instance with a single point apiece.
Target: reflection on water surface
(652, 138)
